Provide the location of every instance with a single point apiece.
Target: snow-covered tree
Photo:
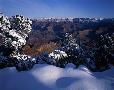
(70, 52)
(73, 49)
(104, 53)
(14, 32)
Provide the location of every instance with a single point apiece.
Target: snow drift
(49, 77)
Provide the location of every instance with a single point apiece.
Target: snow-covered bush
(100, 57)
(57, 54)
(73, 49)
(70, 52)
(24, 62)
(58, 58)
(70, 42)
(14, 32)
(104, 52)
(97, 58)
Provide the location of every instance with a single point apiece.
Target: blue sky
(58, 8)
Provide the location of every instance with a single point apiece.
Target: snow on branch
(14, 32)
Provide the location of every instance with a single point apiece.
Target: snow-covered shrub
(58, 58)
(70, 42)
(24, 62)
(57, 54)
(104, 51)
(73, 49)
(96, 59)
(70, 52)
(14, 32)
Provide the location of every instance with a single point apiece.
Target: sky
(58, 8)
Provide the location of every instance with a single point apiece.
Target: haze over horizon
(58, 8)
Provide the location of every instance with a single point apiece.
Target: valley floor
(49, 77)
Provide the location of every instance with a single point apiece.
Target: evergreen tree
(14, 32)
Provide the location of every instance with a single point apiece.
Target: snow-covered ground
(48, 77)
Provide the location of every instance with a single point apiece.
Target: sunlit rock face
(14, 32)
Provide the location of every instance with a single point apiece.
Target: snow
(57, 54)
(49, 77)
(70, 65)
(21, 41)
(21, 56)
